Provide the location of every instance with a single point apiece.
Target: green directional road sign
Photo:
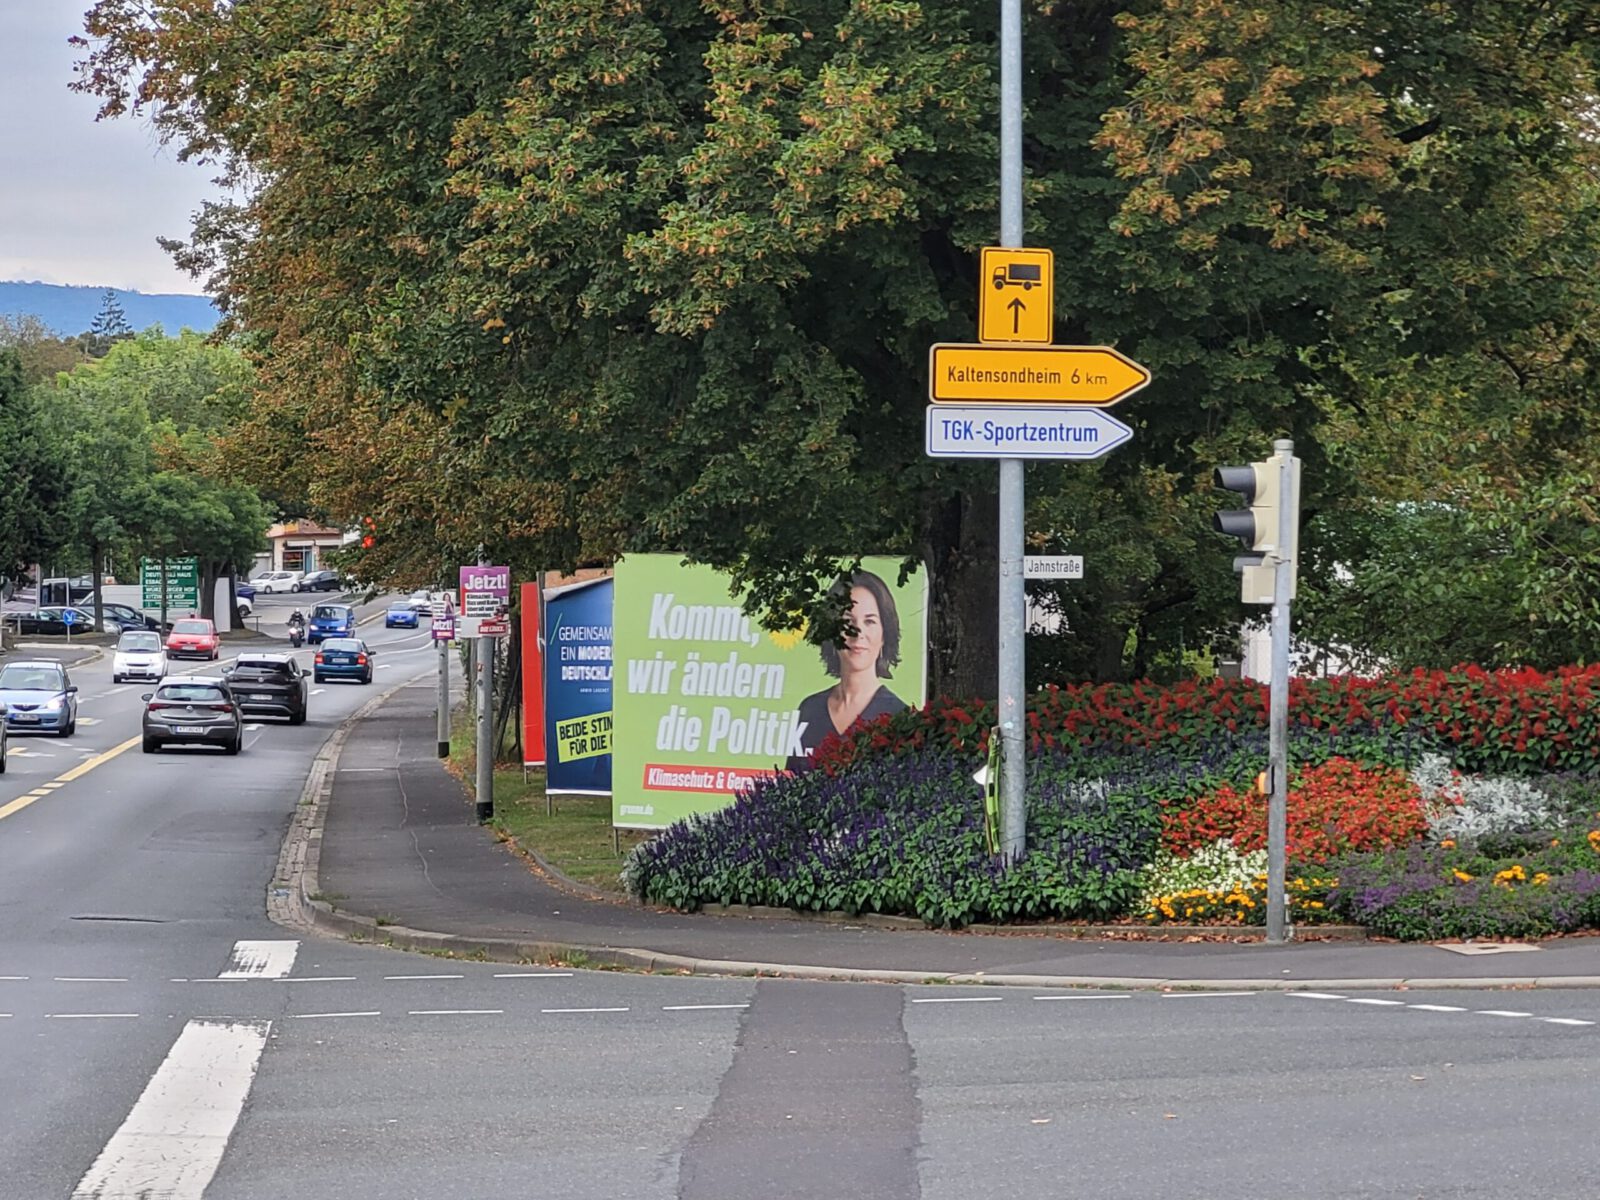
(183, 583)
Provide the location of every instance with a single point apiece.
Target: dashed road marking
(1370, 1000)
(1117, 997)
(1203, 995)
(89, 979)
(261, 959)
(1437, 1007)
(173, 1138)
(1314, 995)
(456, 1012)
(1500, 1012)
(698, 1007)
(956, 999)
(92, 1016)
(311, 1016)
(1565, 1021)
(582, 1010)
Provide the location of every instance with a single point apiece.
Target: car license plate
(259, 696)
(25, 718)
(191, 728)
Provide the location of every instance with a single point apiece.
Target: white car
(426, 603)
(279, 581)
(139, 655)
(244, 605)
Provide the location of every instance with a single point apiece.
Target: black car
(53, 621)
(272, 684)
(322, 581)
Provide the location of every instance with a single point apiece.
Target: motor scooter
(297, 634)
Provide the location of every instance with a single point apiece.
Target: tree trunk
(961, 552)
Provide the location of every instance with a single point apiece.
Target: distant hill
(71, 310)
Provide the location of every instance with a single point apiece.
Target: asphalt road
(160, 1038)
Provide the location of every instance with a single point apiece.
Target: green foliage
(672, 270)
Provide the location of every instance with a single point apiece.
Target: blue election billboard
(577, 688)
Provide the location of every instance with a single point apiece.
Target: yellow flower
(1541, 879)
(1462, 876)
(1448, 843)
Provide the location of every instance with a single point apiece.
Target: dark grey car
(270, 683)
(192, 710)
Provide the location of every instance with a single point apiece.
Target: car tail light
(319, 656)
(361, 660)
(155, 704)
(227, 708)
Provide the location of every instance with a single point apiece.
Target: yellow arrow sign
(968, 374)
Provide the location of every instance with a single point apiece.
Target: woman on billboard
(860, 665)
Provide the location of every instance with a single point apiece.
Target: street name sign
(1016, 295)
(1025, 432)
(1052, 566)
(961, 373)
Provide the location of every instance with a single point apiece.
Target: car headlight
(53, 705)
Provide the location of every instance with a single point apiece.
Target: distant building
(298, 546)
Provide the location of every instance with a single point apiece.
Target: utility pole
(1013, 596)
(444, 697)
(485, 671)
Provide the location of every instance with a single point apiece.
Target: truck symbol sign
(1018, 274)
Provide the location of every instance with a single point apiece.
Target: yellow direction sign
(1016, 296)
(967, 374)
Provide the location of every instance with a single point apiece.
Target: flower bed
(1509, 722)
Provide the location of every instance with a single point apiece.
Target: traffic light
(1261, 485)
(369, 533)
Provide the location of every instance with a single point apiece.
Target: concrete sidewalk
(387, 849)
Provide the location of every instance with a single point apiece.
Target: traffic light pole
(1013, 596)
(1278, 696)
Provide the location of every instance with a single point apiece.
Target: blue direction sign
(990, 431)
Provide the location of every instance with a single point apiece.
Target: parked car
(127, 617)
(343, 658)
(401, 613)
(194, 637)
(39, 697)
(322, 581)
(138, 656)
(279, 581)
(244, 591)
(54, 621)
(191, 709)
(330, 621)
(269, 683)
(244, 604)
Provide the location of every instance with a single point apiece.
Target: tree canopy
(584, 277)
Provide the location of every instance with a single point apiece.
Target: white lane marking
(1501, 1012)
(1316, 995)
(318, 691)
(535, 975)
(319, 979)
(1437, 1007)
(456, 1012)
(1369, 1000)
(14, 978)
(581, 1010)
(957, 999)
(310, 1016)
(52, 785)
(1202, 995)
(253, 728)
(384, 666)
(83, 720)
(261, 960)
(91, 1016)
(1083, 997)
(698, 1007)
(1565, 1021)
(88, 979)
(423, 977)
(172, 1140)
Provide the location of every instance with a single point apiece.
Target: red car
(194, 637)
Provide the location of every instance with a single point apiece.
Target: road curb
(293, 902)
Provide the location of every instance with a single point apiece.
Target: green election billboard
(706, 701)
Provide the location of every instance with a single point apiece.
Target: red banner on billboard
(532, 617)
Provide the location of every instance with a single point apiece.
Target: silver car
(194, 710)
(38, 696)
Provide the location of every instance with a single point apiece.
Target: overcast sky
(81, 202)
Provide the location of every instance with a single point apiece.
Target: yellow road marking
(83, 768)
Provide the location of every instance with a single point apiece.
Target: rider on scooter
(297, 628)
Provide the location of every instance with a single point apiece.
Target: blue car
(331, 621)
(342, 658)
(38, 697)
(402, 614)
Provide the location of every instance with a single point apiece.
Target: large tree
(672, 270)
